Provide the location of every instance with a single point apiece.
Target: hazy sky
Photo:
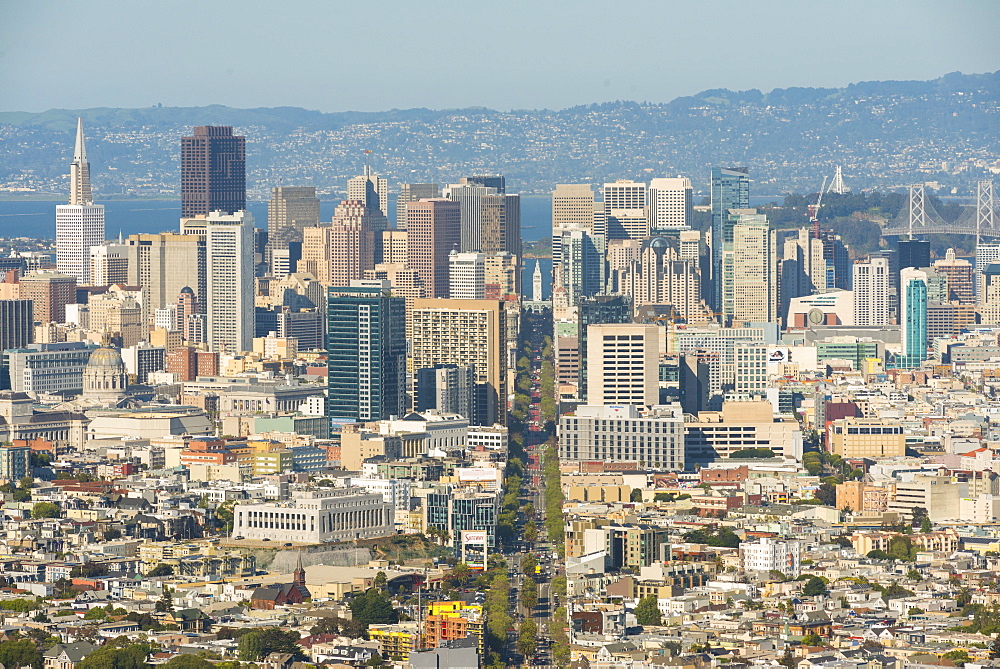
(333, 55)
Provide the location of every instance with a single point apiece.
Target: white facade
(490, 437)
(108, 264)
(871, 292)
(467, 276)
(78, 228)
(316, 517)
(772, 555)
(669, 203)
(166, 317)
(396, 492)
(624, 210)
(623, 364)
(623, 434)
(230, 281)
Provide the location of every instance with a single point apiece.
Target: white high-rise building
(79, 224)
(230, 282)
(987, 253)
(624, 211)
(572, 209)
(871, 292)
(623, 364)
(669, 203)
(467, 276)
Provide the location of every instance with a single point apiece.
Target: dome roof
(106, 357)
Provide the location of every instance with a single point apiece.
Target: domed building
(104, 377)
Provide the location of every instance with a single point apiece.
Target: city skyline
(581, 48)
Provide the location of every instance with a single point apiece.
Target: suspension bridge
(918, 216)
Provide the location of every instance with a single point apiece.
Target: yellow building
(395, 641)
(866, 438)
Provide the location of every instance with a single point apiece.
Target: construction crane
(814, 210)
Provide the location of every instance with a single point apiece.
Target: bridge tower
(837, 185)
(917, 210)
(985, 216)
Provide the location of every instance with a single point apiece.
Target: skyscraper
(669, 203)
(501, 224)
(871, 292)
(108, 264)
(371, 190)
(213, 172)
(165, 263)
(229, 302)
(624, 211)
(572, 209)
(412, 193)
(433, 230)
(582, 267)
(290, 209)
(17, 323)
(472, 197)
(913, 317)
(730, 190)
(366, 352)
(79, 224)
(594, 311)
(749, 269)
(465, 332)
(959, 276)
(345, 250)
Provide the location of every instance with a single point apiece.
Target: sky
(332, 55)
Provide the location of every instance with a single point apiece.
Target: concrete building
(108, 264)
(290, 210)
(49, 293)
(625, 215)
(598, 310)
(343, 251)
(958, 274)
(465, 332)
(940, 495)
(434, 230)
(79, 224)
(913, 288)
(317, 517)
(749, 270)
(669, 203)
(572, 209)
(411, 193)
(229, 304)
(467, 276)
(47, 368)
(457, 511)
(866, 438)
(446, 389)
(623, 364)
(371, 190)
(871, 292)
(652, 438)
(164, 264)
(718, 434)
(768, 554)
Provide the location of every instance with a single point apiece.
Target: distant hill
(884, 133)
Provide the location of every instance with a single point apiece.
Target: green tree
(44, 510)
(812, 640)
(827, 494)
(96, 613)
(528, 564)
(635, 496)
(752, 453)
(373, 608)
(20, 653)
(188, 661)
(814, 586)
(381, 580)
(914, 575)
(161, 569)
(926, 525)
(119, 653)
(165, 603)
(959, 657)
(647, 612)
(787, 660)
(915, 611)
(530, 531)
(526, 637)
(260, 643)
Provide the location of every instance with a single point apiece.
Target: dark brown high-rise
(213, 171)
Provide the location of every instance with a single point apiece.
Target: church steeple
(299, 575)
(79, 170)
